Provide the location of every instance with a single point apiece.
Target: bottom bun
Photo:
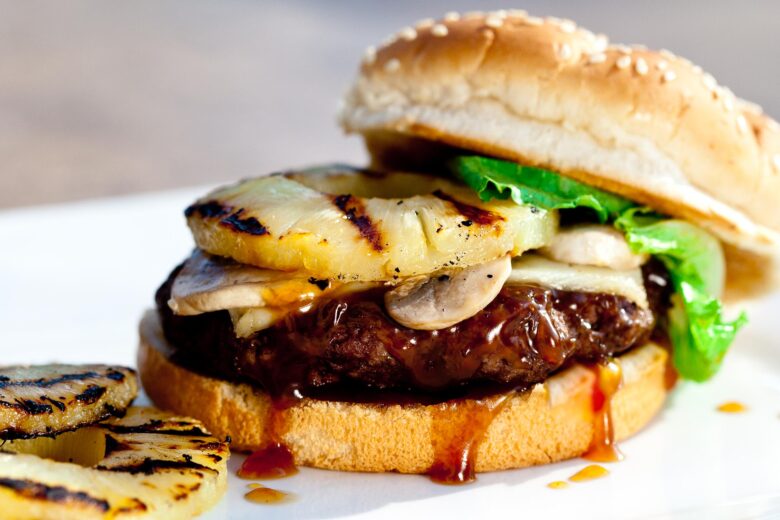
(552, 421)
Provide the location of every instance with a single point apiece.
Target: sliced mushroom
(593, 244)
(449, 297)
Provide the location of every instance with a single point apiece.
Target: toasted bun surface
(648, 125)
(551, 422)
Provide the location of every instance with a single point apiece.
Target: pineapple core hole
(85, 447)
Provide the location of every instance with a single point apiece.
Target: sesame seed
(669, 76)
(568, 26)
(425, 23)
(709, 82)
(773, 125)
(517, 13)
(667, 54)
(597, 57)
(602, 42)
(751, 107)
(369, 55)
(728, 103)
(439, 30)
(623, 62)
(408, 33)
(641, 66)
(662, 65)
(494, 21)
(534, 20)
(389, 40)
(742, 124)
(697, 69)
(564, 51)
(501, 13)
(776, 161)
(624, 49)
(452, 16)
(587, 34)
(392, 65)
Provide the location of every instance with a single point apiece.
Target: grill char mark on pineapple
(28, 406)
(91, 394)
(249, 225)
(137, 505)
(355, 213)
(473, 214)
(229, 218)
(114, 445)
(6, 382)
(158, 427)
(150, 466)
(56, 494)
(208, 209)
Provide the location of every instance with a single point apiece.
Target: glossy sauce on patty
(349, 343)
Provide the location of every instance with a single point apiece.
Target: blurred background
(102, 98)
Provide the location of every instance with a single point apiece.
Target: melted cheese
(585, 278)
(248, 320)
(258, 298)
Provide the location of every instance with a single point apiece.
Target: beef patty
(350, 342)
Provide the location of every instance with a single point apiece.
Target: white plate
(74, 280)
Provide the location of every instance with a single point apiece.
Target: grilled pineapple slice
(148, 463)
(344, 224)
(49, 399)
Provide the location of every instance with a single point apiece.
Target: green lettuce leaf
(496, 179)
(698, 330)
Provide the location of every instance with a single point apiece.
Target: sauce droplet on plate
(265, 495)
(558, 484)
(271, 462)
(732, 407)
(603, 448)
(591, 472)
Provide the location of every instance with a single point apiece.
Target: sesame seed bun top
(648, 125)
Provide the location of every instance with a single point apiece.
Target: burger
(542, 243)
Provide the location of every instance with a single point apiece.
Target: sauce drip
(265, 495)
(591, 472)
(271, 462)
(670, 373)
(732, 407)
(558, 484)
(274, 460)
(457, 430)
(609, 377)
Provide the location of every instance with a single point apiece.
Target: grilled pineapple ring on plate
(147, 463)
(341, 223)
(49, 399)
